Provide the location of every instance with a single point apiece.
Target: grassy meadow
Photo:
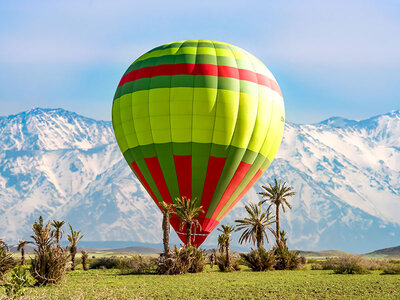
(212, 284)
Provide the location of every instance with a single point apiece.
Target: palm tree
(73, 240)
(224, 241)
(256, 225)
(42, 235)
(186, 209)
(57, 231)
(3, 245)
(277, 194)
(85, 256)
(221, 243)
(167, 210)
(21, 247)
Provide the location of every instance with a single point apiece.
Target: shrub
(329, 263)
(181, 261)
(7, 262)
(394, 261)
(303, 260)
(49, 263)
(221, 263)
(84, 260)
(286, 259)
(259, 259)
(137, 264)
(373, 264)
(198, 261)
(350, 264)
(391, 269)
(316, 267)
(19, 280)
(111, 262)
(313, 261)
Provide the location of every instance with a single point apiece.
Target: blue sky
(331, 58)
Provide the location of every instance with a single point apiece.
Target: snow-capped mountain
(61, 165)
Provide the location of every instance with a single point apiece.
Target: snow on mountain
(61, 165)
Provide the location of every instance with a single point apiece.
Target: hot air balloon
(200, 119)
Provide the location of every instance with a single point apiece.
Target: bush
(105, 263)
(313, 261)
(391, 269)
(221, 263)
(181, 261)
(303, 260)
(7, 262)
(394, 261)
(49, 265)
(286, 259)
(137, 264)
(316, 267)
(373, 264)
(350, 264)
(198, 261)
(259, 259)
(84, 260)
(329, 263)
(19, 280)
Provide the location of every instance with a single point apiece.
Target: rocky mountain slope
(62, 165)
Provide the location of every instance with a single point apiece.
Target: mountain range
(61, 165)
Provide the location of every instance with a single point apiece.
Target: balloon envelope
(200, 119)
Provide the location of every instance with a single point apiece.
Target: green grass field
(211, 284)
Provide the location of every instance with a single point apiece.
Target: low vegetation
(49, 263)
(222, 263)
(7, 262)
(182, 260)
(259, 259)
(112, 262)
(84, 260)
(391, 269)
(318, 278)
(73, 238)
(284, 258)
(15, 287)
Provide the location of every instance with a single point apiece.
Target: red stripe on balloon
(237, 178)
(144, 182)
(210, 224)
(214, 170)
(155, 171)
(246, 189)
(183, 166)
(200, 69)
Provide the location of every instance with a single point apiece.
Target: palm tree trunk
(166, 233)
(22, 256)
(228, 260)
(188, 233)
(73, 252)
(277, 225)
(259, 239)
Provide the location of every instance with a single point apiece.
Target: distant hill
(136, 250)
(322, 254)
(28, 249)
(393, 252)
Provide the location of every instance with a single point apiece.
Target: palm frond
(255, 226)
